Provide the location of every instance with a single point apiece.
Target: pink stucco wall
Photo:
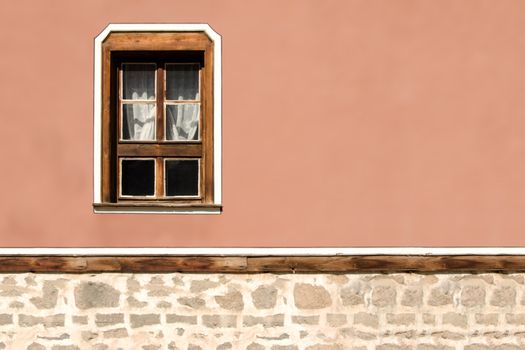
(346, 123)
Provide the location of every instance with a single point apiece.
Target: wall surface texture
(346, 123)
(263, 311)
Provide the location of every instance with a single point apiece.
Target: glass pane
(138, 81)
(182, 122)
(182, 177)
(138, 121)
(182, 82)
(138, 177)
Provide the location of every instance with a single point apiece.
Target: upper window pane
(138, 81)
(182, 81)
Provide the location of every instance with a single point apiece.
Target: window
(157, 119)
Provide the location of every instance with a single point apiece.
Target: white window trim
(217, 115)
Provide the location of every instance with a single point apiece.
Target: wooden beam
(263, 264)
(156, 150)
(385, 263)
(146, 264)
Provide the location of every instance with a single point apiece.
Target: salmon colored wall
(346, 123)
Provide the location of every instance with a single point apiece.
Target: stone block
(429, 319)
(47, 321)
(79, 319)
(174, 318)
(264, 297)
(49, 297)
(366, 319)
(455, 319)
(473, 296)
(306, 320)
(144, 320)
(336, 320)
(102, 320)
(198, 286)
(515, 319)
(352, 295)
(255, 346)
(504, 296)
(309, 296)
(434, 347)
(401, 319)
(325, 347)
(6, 319)
(440, 296)
(392, 347)
(383, 296)
(265, 321)
(412, 297)
(487, 319)
(219, 321)
(231, 301)
(193, 302)
(90, 295)
(116, 333)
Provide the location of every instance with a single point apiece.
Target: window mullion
(160, 101)
(159, 180)
(160, 128)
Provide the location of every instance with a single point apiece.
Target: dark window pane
(182, 82)
(139, 81)
(138, 177)
(182, 177)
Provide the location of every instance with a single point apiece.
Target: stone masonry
(262, 311)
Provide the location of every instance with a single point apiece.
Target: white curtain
(182, 122)
(139, 119)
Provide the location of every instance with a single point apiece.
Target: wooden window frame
(161, 45)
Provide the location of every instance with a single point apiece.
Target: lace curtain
(139, 117)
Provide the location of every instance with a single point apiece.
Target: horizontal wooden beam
(156, 150)
(136, 41)
(263, 264)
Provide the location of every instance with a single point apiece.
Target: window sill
(156, 208)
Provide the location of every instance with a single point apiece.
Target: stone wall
(262, 311)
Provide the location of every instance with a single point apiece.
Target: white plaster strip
(265, 251)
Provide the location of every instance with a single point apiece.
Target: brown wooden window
(157, 121)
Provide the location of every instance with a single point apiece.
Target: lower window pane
(182, 177)
(137, 177)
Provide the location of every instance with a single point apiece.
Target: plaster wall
(345, 123)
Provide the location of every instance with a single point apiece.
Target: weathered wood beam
(263, 264)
